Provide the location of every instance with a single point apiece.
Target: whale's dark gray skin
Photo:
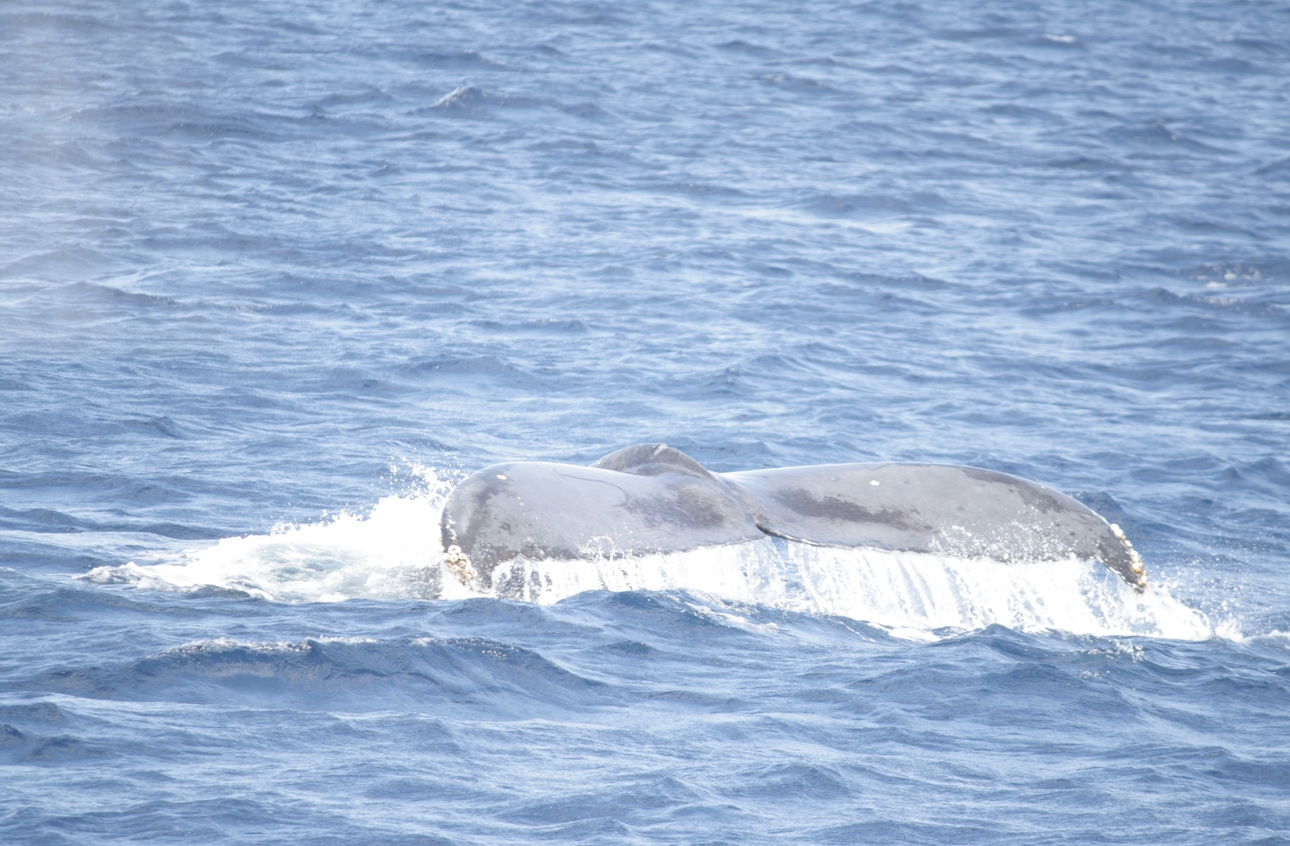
(653, 498)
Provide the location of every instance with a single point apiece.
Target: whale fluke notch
(652, 498)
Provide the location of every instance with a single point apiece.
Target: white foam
(395, 552)
(736, 573)
(909, 593)
(927, 592)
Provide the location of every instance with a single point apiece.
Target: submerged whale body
(651, 498)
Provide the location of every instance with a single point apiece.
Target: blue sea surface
(275, 276)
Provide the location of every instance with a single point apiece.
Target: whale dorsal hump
(653, 460)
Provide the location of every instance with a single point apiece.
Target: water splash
(910, 593)
(395, 553)
(391, 553)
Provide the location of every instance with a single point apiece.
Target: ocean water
(275, 276)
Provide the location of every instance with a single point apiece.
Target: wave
(472, 672)
(395, 553)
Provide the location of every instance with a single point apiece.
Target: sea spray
(395, 552)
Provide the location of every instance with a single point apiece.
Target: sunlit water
(275, 276)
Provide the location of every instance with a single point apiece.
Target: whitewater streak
(395, 553)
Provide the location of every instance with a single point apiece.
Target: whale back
(965, 512)
(652, 498)
(560, 511)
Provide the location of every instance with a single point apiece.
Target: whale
(653, 498)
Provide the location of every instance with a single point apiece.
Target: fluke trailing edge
(651, 498)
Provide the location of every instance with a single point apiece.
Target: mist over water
(263, 266)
